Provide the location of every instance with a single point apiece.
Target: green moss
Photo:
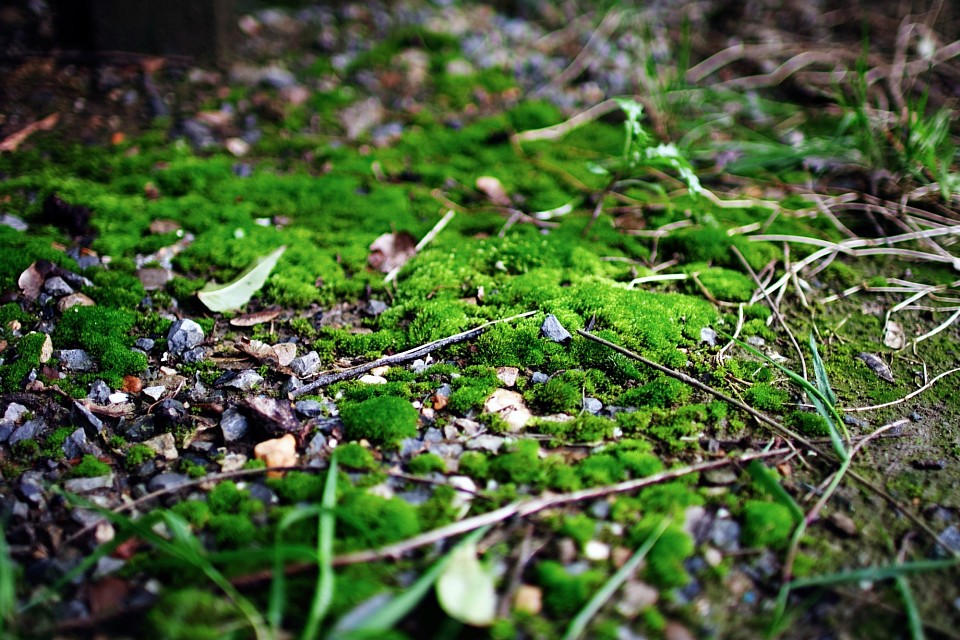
(639, 463)
(601, 469)
(560, 475)
(474, 464)
(808, 424)
(723, 284)
(89, 467)
(580, 527)
(664, 566)
(558, 395)
(137, 454)
(116, 289)
(53, 443)
(472, 388)
(564, 594)
(368, 520)
(382, 421)
(767, 524)
(192, 614)
(103, 333)
(26, 451)
(354, 456)
(427, 463)
(438, 509)
(195, 512)
(232, 530)
(766, 397)
(227, 498)
(583, 428)
(297, 487)
(662, 392)
(522, 465)
(25, 359)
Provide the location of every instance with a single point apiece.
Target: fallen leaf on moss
(281, 354)
(233, 295)
(31, 280)
(465, 589)
(493, 189)
(252, 319)
(391, 251)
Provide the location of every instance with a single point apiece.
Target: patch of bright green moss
(297, 486)
(232, 530)
(382, 421)
(353, 456)
(662, 392)
(664, 566)
(767, 524)
(137, 454)
(563, 593)
(580, 527)
(192, 614)
(427, 463)
(583, 428)
(474, 464)
(25, 359)
(601, 469)
(438, 509)
(521, 466)
(103, 333)
(367, 520)
(558, 395)
(89, 467)
(807, 423)
(196, 512)
(227, 498)
(766, 397)
(53, 443)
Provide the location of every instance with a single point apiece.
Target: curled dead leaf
(878, 366)
(493, 189)
(391, 251)
(252, 319)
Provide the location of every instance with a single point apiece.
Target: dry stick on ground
(519, 509)
(399, 358)
(427, 239)
(826, 454)
(912, 394)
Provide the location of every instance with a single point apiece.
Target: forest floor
(444, 320)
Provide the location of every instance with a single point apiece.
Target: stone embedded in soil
(75, 300)
(146, 344)
(278, 452)
(551, 329)
(243, 380)
(184, 334)
(99, 392)
(592, 405)
(720, 477)
(309, 408)
(724, 534)
(306, 365)
(709, 336)
(57, 287)
(30, 491)
(233, 425)
(949, 537)
(29, 430)
(635, 597)
(14, 412)
(539, 377)
(194, 356)
(507, 375)
(508, 405)
(85, 418)
(86, 485)
(165, 445)
(169, 413)
(77, 444)
(155, 393)
(75, 359)
(275, 416)
(167, 482)
(375, 307)
(317, 446)
(486, 442)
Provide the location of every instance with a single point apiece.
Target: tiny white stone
(154, 392)
(117, 397)
(596, 551)
(369, 379)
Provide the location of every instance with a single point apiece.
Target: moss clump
(427, 463)
(26, 359)
(89, 467)
(558, 395)
(560, 475)
(53, 444)
(26, 450)
(767, 524)
(663, 392)
(808, 424)
(195, 512)
(102, 332)
(583, 428)
(472, 388)
(600, 469)
(580, 527)
(766, 397)
(438, 509)
(522, 465)
(665, 560)
(137, 454)
(474, 464)
(369, 520)
(640, 464)
(353, 456)
(564, 594)
(227, 498)
(382, 421)
(193, 614)
(297, 486)
(232, 530)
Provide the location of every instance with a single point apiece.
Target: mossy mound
(383, 420)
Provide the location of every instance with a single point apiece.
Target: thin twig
(910, 395)
(330, 377)
(427, 239)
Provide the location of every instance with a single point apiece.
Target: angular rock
(146, 344)
(306, 365)
(154, 393)
(317, 446)
(165, 445)
(194, 356)
(86, 485)
(76, 444)
(14, 412)
(75, 360)
(169, 413)
(309, 408)
(592, 405)
(233, 425)
(184, 334)
(551, 329)
(29, 430)
(508, 375)
(275, 416)
(486, 442)
(278, 452)
(375, 307)
(57, 287)
(725, 534)
(99, 392)
(243, 380)
(167, 482)
(709, 336)
(510, 406)
(539, 377)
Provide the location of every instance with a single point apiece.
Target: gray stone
(243, 380)
(57, 287)
(950, 537)
(6, 429)
(86, 517)
(75, 359)
(262, 492)
(184, 334)
(86, 485)
(592, 405)
(306, 365)
(13, 222)
(75, 444)
(29, 430)
(233, 425)
(99, 392)
(725, 534)
(551, 329)
(30, 491)
(194, 356)
(141, 429)
(419, 366)
(709, 336)
(375, 307)
(309, 408)
(167, 482)
(720, 477)
(14, 412)
(165, 445)
(292, 384)
(539, 377)
(169, 413)
(317, 445)
(107, 565)
(199, 134)
(756, 341)
(146, 344)
(485, 443)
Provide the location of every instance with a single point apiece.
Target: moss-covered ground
(630, 253)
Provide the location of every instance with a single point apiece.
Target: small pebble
(184, 334)
(167, 482)
(233, 425)
(551, 329)
(306, 365)
(86, 485)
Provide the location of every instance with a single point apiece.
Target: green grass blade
(323, 594)
(820, 372)
(8, 586)
(397, 608)
(765, 478)
(875, 574)
(579, 624)
(914, 621)
(823, 406)
(277, 597)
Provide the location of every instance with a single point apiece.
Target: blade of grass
(910, 606)
(277, 597)
(765, 478)
(8, 586)
(875, 574)
(820, 372)
(326, 522)
(397, 608)
(579, 624)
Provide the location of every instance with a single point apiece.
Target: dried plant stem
(905, 398)
(427, 239)
(330, 377)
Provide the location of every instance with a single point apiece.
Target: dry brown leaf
(878, 366)
(391, 251)
(493, 189)
(32, 278)
(14, 140)
(251, 319)
(282, 354)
